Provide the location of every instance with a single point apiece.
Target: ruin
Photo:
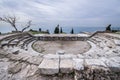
(62, 37)
(19, 61)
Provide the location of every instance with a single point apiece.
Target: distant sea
(80, 29)
(65, 29)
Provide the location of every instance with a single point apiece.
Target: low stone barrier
(89, 69)
(66, 38)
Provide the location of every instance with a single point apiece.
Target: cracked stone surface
(66, 66)
(49, 66)
(101, 62)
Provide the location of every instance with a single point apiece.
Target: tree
(108, 28)
(61, 31)
(47, 31)
(27, 26)
(72, 31)
(0, 33)
(12, 20)
(30, 30)
(40, 29)
(56, 31)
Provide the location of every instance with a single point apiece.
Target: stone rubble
(101, 62)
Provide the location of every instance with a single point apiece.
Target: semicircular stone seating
(18, 40)
(102, 59)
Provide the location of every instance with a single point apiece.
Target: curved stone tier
(18, 40)
(62, 37)
(101, 62)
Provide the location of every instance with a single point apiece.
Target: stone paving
(101, 62)
(46, 47)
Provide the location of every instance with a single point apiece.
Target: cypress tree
(61, 31)
(40, 29)
(47, 31)
(56, 31)
(72, 31)
(108, 28)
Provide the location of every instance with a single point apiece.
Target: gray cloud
(64, 12)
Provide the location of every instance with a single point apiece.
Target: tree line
(12, 20)
(59, 30)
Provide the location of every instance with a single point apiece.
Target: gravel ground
(70, 47)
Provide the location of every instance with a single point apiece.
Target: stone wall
(66, 38)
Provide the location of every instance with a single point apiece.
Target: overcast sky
(63, 12)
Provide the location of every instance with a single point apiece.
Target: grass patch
(118, 32)
(37, 32)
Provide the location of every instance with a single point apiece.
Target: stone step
(55, 65)
(49, 66)
(66, 66)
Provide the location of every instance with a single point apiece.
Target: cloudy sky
(64, 12)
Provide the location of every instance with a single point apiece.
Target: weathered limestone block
(21, 74)
(110, 44)
(24, 65)
(4, 42)
(68, 56)
(2, 52)
(14, 57)
(3, 69)
(4, 75)
(49, 66)
(51, 56)
(14, 68)
(117, 42)
(78, 64)
(24, 71)
(66, 65)
(35, 60)
(94, 62)
(16, 52)
(113, 63)
(18, 57)
(94, 69)
(25, 56)
(32, 71)
(80, 56)
(93, 74)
